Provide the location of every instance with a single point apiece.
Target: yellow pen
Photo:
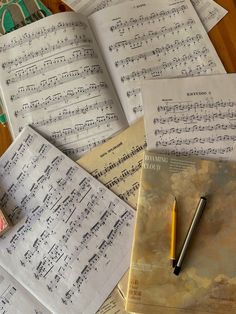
(173, 234)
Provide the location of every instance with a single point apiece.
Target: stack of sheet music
(79, 85)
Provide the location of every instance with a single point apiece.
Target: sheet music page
(53, 79)
(15, 299)
(71, 237)
(149, 39)
(209, 12)
(117, 163)
(115, 304)
(191, 116)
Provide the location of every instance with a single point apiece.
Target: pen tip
(177, 270)
(173, 263)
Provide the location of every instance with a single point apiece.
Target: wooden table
(222, 36)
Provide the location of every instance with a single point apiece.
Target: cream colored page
(115, 304)
(191, 116)
(149, 39)
(209, 12)
(117, 163)
(53, 78)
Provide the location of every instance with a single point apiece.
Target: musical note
(41, 32)
(196, 119)
(41, 52)
(153, 17)
(56, 81)
(146, 38)
(124, 174)
(73, 152)
(210, 12)
(11, 291)
(49, 65)
(152, 72)
(124, 157)
(59, 85)
(71, 223)
(143, 40)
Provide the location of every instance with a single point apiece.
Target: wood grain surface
(223, 37)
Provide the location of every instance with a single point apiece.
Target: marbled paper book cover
(207, 281)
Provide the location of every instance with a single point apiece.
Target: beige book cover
(117, 164)
(207, 281)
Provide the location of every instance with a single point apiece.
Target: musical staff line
(43, 32)
(187, 106)
(196, 128)
(197, 117)
(31, 69)
(67, 113)
(54, 81)
(87, 125)
(158, 51)
(141, 20)
(65, 96)
(146, 37)
(74, 41)
(157, 71)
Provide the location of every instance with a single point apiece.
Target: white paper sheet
(52, 78)
(152, 39)
(191, 116)
(15, 299)
(71, 237)
(209, 12)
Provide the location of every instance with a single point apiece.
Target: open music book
(70, 239)
(54, 78)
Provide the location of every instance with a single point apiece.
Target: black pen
(196, 218)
